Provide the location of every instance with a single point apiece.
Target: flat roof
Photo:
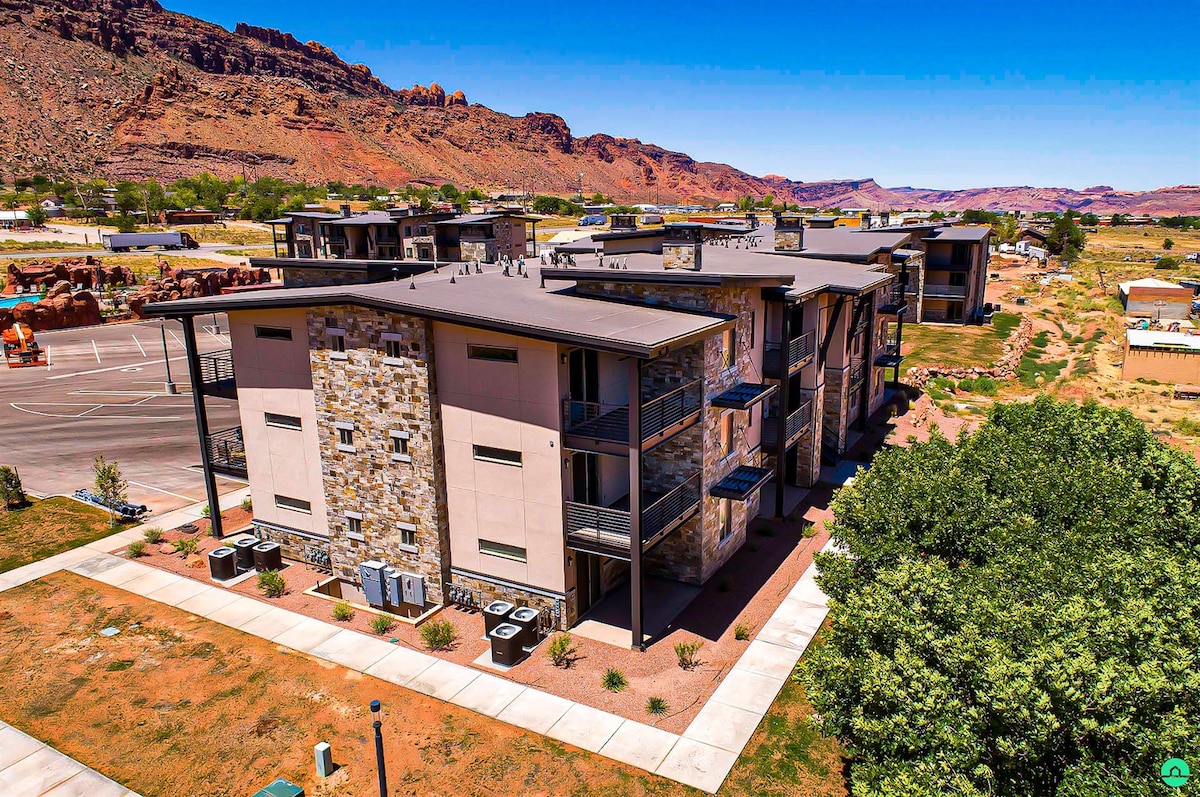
(311, 214)
(512, 305)
(968, 234)
(846, 242)
(364, 219)
(1155, 339)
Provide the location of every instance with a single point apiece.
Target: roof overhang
(703, 279)
(741, 483)
(743, 396)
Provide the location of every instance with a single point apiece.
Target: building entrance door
(587, 580)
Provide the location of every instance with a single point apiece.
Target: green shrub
(12, 493)
(185, 545)
(686, 653)
(137, 548)
(247, 504)
(741, 632)
(983, 385)
(1167, 263)
(439, 634)
(809, 530)
(153, 534)
(382, 623)
(656, 706)
(613, 680)
(1187, 427)
(342, 611)
(560, 650)
(271, 584)
(206, 511)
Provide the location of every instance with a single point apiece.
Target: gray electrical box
(371, 574)
(412, 588)
(395, 591)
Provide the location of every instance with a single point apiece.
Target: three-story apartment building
(547, 435)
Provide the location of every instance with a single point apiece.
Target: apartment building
(547, 435)
(403, 234)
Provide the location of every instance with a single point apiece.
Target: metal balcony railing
(941, 289)
(671, 408)
(606, 530)
(602, 422)
(799, 349)
(893, 299)
(216, 374)
(673, 508)
(226, 452)
(796, 422)
(864, 321)
(858, 372)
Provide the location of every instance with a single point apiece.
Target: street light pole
(379, 762)
(171, 389)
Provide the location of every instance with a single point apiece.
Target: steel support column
(636, 577)
(210, 478)
(781, 416)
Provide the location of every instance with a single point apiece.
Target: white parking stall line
(139, 345)
(110, 368)
(165, 492)
(177, 340)
(97, 351)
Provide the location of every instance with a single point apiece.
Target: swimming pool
(13, 301)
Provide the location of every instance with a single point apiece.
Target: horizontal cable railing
(683, 498)
(216, 366)
(595, 420)
(858, 372)
(597, 526)
(670, 408)
(939, 289)
(226, 450)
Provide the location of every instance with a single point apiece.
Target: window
(502, 456)
(408, 535)
(513, 552)
(282, 421)
(346, 437)
(394, 349)
(753, 324)
(726, 518)
(958, 278)
(354, 525)
(337, 343)
(726, 434)
(493, 353)
(960, 254)
(295, 504)
(728, 344)
(272, 333)
(408, 233)
(400, 445)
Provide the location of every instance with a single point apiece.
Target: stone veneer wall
(561, 612)
(380, 396)
(788, 240)
(300, 546)
(483, 251)
(688, 255)
(835, 408)
(318, 277)
(808, 450)
(698, 543)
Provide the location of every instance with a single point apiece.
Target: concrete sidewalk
(29, 768)
(701, 757)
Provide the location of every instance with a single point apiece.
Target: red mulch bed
(747, 590)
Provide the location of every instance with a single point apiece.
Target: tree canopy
(1016, 613)
(1065, 238)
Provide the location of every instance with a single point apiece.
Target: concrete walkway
(702, 757)
(29, 768)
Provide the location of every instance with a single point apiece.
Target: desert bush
(656, 706)
(271, 584)
(438, 634)
(559, 649)
(137, 548)
(247, 504)
(342, 611)
(152, 535)
(613, 680)
(206, 511)
(381, 624)
(185, 545)
(11, 492)
(686, 653)
(741, 632)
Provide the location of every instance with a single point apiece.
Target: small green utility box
(280, 788)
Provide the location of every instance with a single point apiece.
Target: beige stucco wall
(512, 406)
(274, 376)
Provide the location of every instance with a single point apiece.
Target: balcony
(943, 291)
(216, 374)
(606, 530)
(226, 452)
(858, 373)
(797, 422)
(862, 321)
(604, 428)
(894, 300)
(800, 351)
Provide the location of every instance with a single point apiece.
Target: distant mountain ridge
(126, 89)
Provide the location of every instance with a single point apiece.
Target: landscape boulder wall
(86, 272)
(192, 284)
(61, 309)
(1004, 368)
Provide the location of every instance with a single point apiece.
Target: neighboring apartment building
(548, 435)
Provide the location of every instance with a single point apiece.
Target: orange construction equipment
(20, 349)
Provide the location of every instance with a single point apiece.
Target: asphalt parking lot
(104, 392)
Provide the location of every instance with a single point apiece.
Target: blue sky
(953, 95)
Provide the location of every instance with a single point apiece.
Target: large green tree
(1017, 612)
(1065, 238)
